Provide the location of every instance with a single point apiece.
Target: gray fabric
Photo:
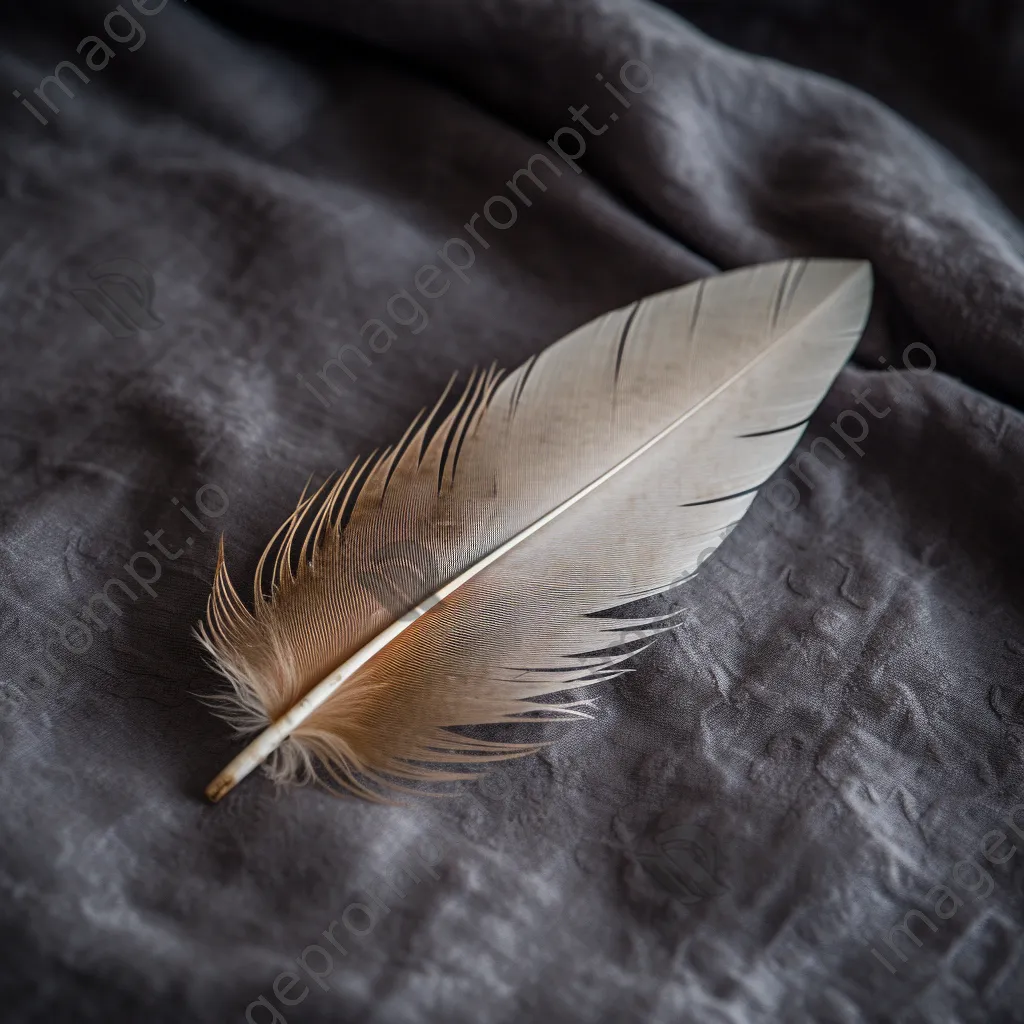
(837, 729)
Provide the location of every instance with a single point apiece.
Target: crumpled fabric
(805, 804)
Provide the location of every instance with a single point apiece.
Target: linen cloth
(192, 247)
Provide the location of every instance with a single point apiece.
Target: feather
(459, 578)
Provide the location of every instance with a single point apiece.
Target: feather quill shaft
(496, 452)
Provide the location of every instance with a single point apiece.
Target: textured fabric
(757, 825)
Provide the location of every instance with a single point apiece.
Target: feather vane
(459, 578)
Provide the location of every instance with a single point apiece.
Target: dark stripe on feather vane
(791, 278)
(781, 294)
(467, 414)
(795, 283)
(698, 298)
(625, 336)
(725, 497)
(530, 364)
(778, 430)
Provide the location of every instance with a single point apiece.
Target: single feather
(457, 579)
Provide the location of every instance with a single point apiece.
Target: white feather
(595, 474)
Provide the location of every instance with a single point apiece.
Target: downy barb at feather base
(590, 477)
